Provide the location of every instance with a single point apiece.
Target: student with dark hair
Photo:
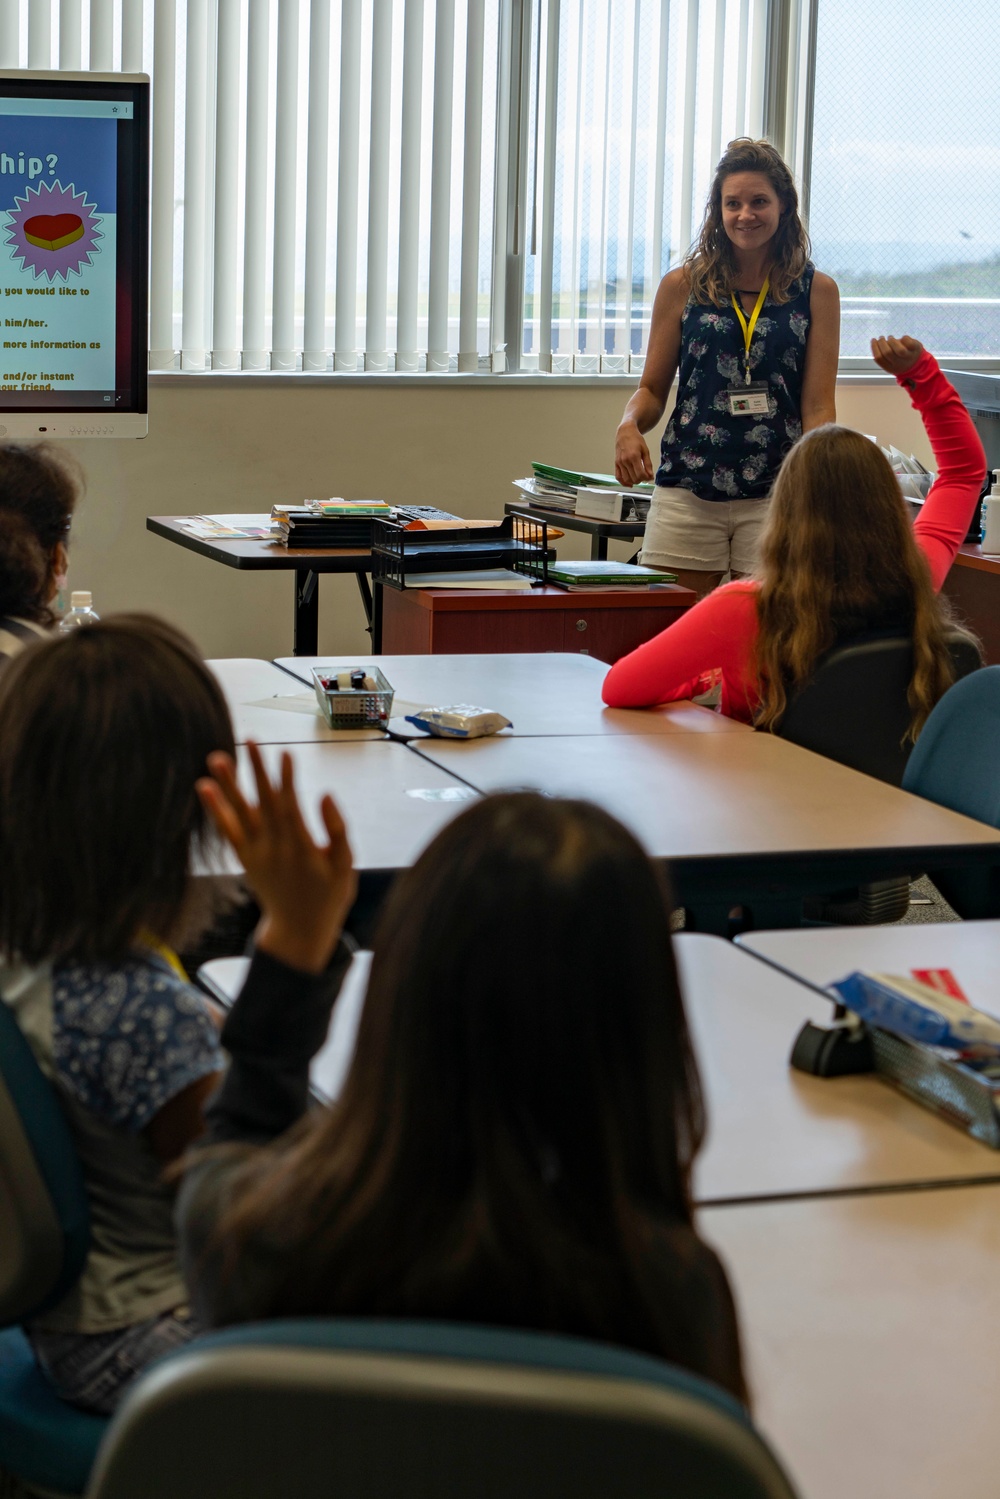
(103, 734)
(40, 487)
(514, 1141)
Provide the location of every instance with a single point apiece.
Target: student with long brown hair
(839, 560)
(514, 1141)
(752, 332)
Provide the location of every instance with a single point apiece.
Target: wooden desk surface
(971, 949)
(720, 795)
(869, 1327)
(255, 555)
(776, 1132)
(971, 555)
(393, 801)
(543, 694)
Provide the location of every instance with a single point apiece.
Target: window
(498, 185)
(905, 193)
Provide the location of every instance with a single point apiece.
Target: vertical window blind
(411, 185)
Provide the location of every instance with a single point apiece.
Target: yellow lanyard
(749, 327)
(163, 951)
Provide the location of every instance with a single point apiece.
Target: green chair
(957, 764)
(362, 1409)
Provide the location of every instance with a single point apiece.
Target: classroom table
(267, 704)
(869, 1327)
(393, 803)
(551, 693)
(599, 531)
(744, 819)
(819, 956)
(774, 1132)
(254, 555)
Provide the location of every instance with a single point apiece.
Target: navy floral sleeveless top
(704, 448)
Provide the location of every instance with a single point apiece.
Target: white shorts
(712, 536)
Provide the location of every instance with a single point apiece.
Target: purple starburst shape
(53, 201)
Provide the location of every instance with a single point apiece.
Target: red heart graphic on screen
(51, 231)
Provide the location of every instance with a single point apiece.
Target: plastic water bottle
(80, 612)
(991, 517)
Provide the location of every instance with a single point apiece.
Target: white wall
(213, 447)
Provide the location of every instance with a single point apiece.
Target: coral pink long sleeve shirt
(719, 633)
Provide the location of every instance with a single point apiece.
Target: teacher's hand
(896, 355)
(632, 462)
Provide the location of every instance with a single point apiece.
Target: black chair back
(855, 708)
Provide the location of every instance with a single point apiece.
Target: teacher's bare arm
(644, 410)
(819, 380)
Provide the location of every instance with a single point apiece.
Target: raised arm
(819, 377)
(944, 517)
(632, 461)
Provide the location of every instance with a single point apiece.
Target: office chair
(956, 763)
(374, 1410)
(855, 711)
(44, 1236)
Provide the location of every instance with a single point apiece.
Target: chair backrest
(855, 710)
(370, 1410)
(956, 761)
(44, 1214)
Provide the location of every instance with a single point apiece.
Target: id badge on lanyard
(750, 398)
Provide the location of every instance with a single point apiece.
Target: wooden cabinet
(973, 586)
(452, 621)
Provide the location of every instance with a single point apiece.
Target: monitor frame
(131, 358)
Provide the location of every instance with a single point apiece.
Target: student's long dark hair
(40, 486)
(515, 1138)
(103, 734)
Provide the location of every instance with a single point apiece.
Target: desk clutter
(596, 496)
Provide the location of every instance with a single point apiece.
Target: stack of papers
(226, 527)
(487, 577)
(328, 523)
(596, 496)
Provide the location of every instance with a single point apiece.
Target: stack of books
(327, 523)
(596, 496)
(582, 577)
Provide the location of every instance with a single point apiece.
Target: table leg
(598, 548)
(364, 588)
(377, 588)
(306, 641)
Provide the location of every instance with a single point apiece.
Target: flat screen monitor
(74, 237)
(981, 396)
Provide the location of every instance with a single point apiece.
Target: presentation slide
(58, 250)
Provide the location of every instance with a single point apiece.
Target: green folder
(575, 480)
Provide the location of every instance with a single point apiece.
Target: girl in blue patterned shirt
(103, 734)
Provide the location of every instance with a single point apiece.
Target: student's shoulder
(138, 984)
(736, 599)
(128, 1036)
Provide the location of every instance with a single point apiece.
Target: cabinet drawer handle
(581, 624)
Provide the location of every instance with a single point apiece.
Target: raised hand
(304, 889)
(896, 355)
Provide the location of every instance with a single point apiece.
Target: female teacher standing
(753, 332)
